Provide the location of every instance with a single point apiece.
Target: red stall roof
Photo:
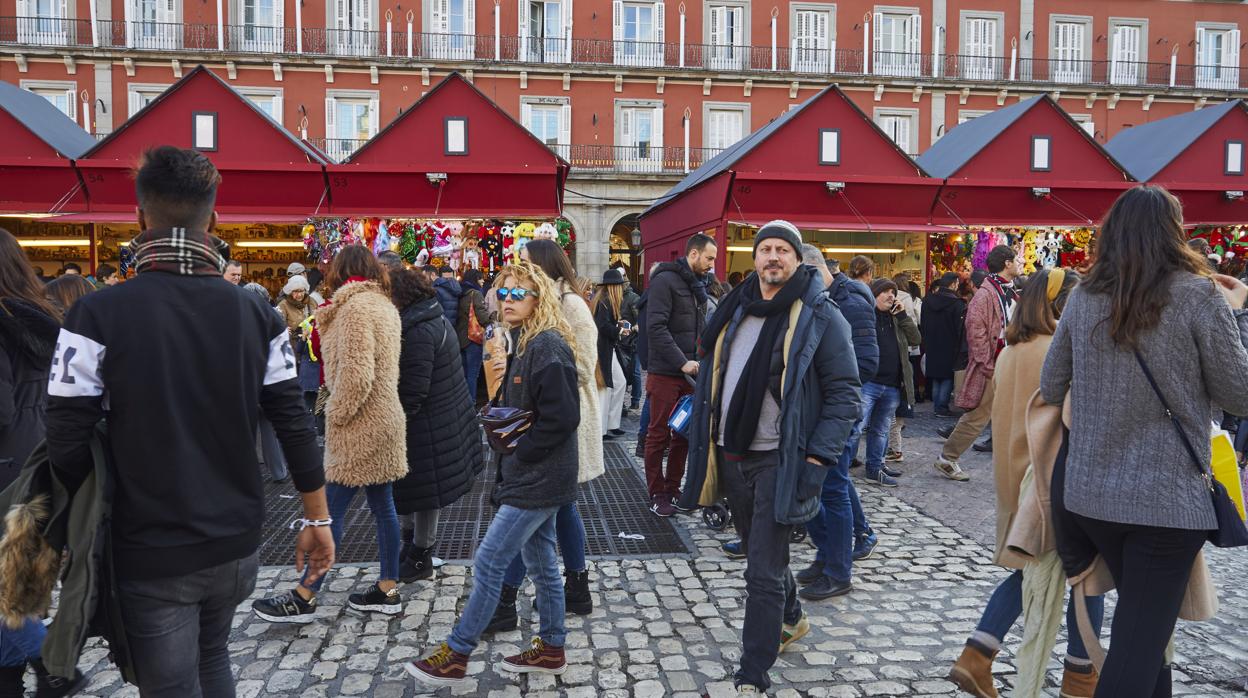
(454, 153)
(823, 164)
(37, 146)
(1198, 156)
(993, 164)
(265, 171)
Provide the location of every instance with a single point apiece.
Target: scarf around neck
(179, 251)
(762, 369)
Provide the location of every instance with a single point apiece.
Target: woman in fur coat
(365, 431)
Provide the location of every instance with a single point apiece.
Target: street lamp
(636, 237)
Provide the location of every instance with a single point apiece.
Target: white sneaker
(950, 469)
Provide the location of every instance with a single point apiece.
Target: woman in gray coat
(1131, 487)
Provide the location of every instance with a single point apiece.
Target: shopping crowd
(131, 416)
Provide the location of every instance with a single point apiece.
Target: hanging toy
(408, 245)
(1030, 254)
(125, 257)
(456, 240)
(565, 235)
(546, 231)
(381, 241)
(472, 253)
(524, 235)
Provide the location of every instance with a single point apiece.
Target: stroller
(718, 517)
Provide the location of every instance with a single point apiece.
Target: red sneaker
(442, 668)
(541, 658)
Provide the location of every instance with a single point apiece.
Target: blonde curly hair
(548, 314)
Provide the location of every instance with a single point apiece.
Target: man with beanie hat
(777, 394)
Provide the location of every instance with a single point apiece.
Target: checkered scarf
(178, 251)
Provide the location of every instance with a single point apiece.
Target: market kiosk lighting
(1233, 195)
(1040, 192)
(436, 178)
(834, 187)
(54, 242)
(269, 244)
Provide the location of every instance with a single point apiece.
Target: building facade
(633, 93)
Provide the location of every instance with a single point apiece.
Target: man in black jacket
(179, 363)
(675, 318)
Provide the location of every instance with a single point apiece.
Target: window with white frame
(726, 35)
(639, 135)
(44, 22)
(982, 36)
(1217, 56)
(352, 25)
(1085, 122)
(1233, 162)
(901, 125)
(550, 119)
(966, 115)
(1041, 153)
(263, 26)
(1071, 48)
(62, 94)
(638, 32)
(813, 46)
(452, 29)
(1128, 51)
(350, 120)
(896, 41)
(724, 124)
(140, 95)
(153, 24)
(545, 30)
(267, 99)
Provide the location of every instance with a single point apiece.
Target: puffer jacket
(675, 315)
(27, 341)
(942, 328)
(449, 291)
(858, 306)
(443, 440)
(365, 430)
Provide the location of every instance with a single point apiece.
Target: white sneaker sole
(525, 669)
(302, 619)
(422, 677)
(377, 608)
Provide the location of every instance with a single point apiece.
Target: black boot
(416, 565)
(54, 686)
(576, 593)
(505, 617)
(406, 550)
(11, 685)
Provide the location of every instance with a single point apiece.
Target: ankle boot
(576, 598)
(11, 685)
(406, 550)
(416, 565)
(505, 617)
(973, 672)
(1078, 681)
(49, 686)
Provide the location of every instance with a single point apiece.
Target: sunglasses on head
(516, 294)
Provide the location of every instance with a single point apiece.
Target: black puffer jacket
(675, 317)
(943, 328)
(27, 341)
(443, 441)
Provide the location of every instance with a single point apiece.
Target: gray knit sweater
(1126, 463)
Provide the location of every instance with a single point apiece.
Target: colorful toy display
(1038, 248)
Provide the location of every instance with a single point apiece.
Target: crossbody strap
(1187, 444)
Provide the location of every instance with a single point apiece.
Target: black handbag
(1231, 531)
(504, 425)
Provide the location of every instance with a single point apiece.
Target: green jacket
(907, 335)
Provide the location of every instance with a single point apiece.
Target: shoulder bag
(504, 425)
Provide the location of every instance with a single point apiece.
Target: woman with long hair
(365, 432)
(1017, 376)
(64, 291)
(536, 479)
(607, 300)
(443, 439)
(1149, 303)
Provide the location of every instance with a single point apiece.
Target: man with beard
(777, 395)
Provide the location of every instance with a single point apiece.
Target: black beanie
(780, 229)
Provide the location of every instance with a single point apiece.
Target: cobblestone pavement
(670, 625)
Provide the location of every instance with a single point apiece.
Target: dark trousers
(179, 629)
(1151, 567)
(771, 593)
(664, 392)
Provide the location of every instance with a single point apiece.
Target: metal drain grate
(612, 504)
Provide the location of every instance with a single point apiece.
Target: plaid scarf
(178, 251)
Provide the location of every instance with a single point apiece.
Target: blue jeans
(471, 356)
(1006, 605)
(381, 503)
(20, 646)
(638, 388)
(533, 532)
(570, 530)
(879, 407)
(645, 421)
(942, 390)
(840, 519)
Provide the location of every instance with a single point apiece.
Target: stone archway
(621, 250)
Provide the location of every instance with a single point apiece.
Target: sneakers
(288, 607)
(792, 633)
(681, 509)
(377, 601)
(864, 546)
(950, 469)
(810, 574)
(1078, 681)
(894, 457)
(416, 565)
(824, 588)
(49, 686)
(540, 658)
(880, 479)
(946, 432)
(445, 667)
(748, 689)
(734, 549)
(984, 446)
(973, 672)
(891, 472)
(661, 505)
(505, 617)
(617, 432)
(576, 597)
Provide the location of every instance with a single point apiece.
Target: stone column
(593, 243)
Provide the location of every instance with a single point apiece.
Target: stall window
(1234, 158)
(455, 135)
(1040, 153)
(60, 94)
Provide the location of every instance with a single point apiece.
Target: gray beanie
(258, 290)
(780, 229)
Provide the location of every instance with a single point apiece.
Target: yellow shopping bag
(1226, 468)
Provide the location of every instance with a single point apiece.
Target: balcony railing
(398, 45)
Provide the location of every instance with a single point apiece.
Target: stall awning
(453, 154)
(37, 146)
(116, 217)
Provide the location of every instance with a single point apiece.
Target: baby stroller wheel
(798, 535)
(716, 517)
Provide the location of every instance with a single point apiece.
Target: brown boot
(1079, 682)
(973, 672)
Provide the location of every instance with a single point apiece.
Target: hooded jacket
(820, 401)
(27, 340)
(942, 326)
(675, 315)
(448, 291)
(858, 306)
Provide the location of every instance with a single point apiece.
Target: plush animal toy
(546, 231)
(472, 253)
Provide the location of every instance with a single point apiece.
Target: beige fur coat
(589, 432)
(365, 428)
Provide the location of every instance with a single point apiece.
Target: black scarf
(761, 372)
(697, 283)
(179, 251)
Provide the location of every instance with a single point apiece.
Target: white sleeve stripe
(281, 365)
(76, 367)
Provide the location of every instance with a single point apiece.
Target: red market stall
(826, 167)
(38, 145)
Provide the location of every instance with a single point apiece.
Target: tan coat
(365, 428)
(295, 313)
(589, 431)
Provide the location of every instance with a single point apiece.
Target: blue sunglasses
(517, 294)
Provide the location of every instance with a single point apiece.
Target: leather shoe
(946, 432)
(983, 446)
(824, 588)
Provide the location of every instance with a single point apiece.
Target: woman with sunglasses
(535, 480)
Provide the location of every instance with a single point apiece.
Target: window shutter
(23, 9)
(441, 19)
(1201, 43)
(617, 20)
(135, 103)
(470, 17)
(277, 108)
(1076, 42)
(522, 13)
(526, 116)
(565, 124)
(1230, 51)
(877, 35)
(364, 15)
(657, 130)
(61, 13)
(166, 12)
(717, 18)
(660, 35)
(914, 30)
(342, 15)
(331, 111)
(279, 21)
(374, 109)
(626, 128)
